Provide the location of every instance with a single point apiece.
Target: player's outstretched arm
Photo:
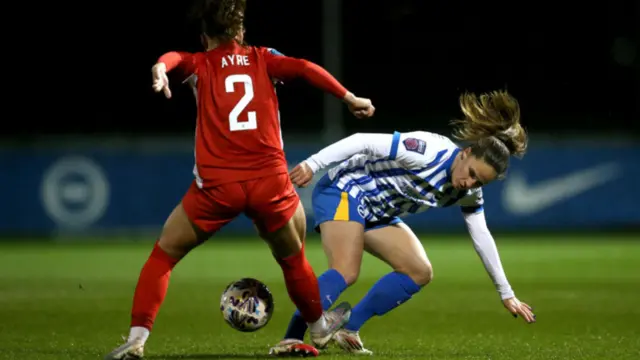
(285, 68)
(378, 145)
(487, 250)
(167, 62)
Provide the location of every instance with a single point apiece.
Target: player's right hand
(160, 79)
(359, 107)
(301, 175)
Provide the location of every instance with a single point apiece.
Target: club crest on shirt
(415, 145)
(362, 211)
(275, 52)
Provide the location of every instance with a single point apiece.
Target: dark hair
(221, 19)
(492, 123)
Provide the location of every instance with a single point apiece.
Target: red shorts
(269, 201)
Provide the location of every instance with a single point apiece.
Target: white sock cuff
(139, 332)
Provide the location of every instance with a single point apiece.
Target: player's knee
(174, 247)
(349, 273)
(421, 273)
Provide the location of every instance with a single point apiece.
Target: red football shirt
(238, 133)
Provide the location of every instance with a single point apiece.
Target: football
(247, 305)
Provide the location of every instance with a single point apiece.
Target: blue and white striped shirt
(397, 175)
(403, 174)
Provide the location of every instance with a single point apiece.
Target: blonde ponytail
(495, 114)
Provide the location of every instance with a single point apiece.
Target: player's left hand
(160, 79)
(301, 175)
(516, 308)
(359, 107)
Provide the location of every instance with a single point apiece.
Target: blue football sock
(389, 292)
(331, 285)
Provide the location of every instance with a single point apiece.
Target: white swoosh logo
(523, 199)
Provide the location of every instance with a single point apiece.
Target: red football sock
(302, 286)
(152, 287)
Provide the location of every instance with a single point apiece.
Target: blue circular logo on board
(75, 192)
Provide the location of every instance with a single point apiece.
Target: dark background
(573, 66)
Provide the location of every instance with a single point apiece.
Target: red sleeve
(183, 61)
(284, 68)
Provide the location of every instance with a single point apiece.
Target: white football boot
(131, 350)
(350, 342)
(334, 320)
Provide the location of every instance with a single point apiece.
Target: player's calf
(287, 246)
(150, 291)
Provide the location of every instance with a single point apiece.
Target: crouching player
(240, 168)
(383, 177)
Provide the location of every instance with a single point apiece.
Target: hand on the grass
(301, 175)
(160, 79)
(516, 308)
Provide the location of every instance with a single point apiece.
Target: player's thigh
(278, 214)
(341, 227)
(205, 211)
(399, 247)
(179, 235)
(288, 239)
(272, 202)
(343, 244)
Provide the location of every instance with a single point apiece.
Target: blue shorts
(332, 204)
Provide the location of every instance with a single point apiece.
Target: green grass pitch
(72, 301)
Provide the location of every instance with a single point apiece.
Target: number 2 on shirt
(234, 123)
